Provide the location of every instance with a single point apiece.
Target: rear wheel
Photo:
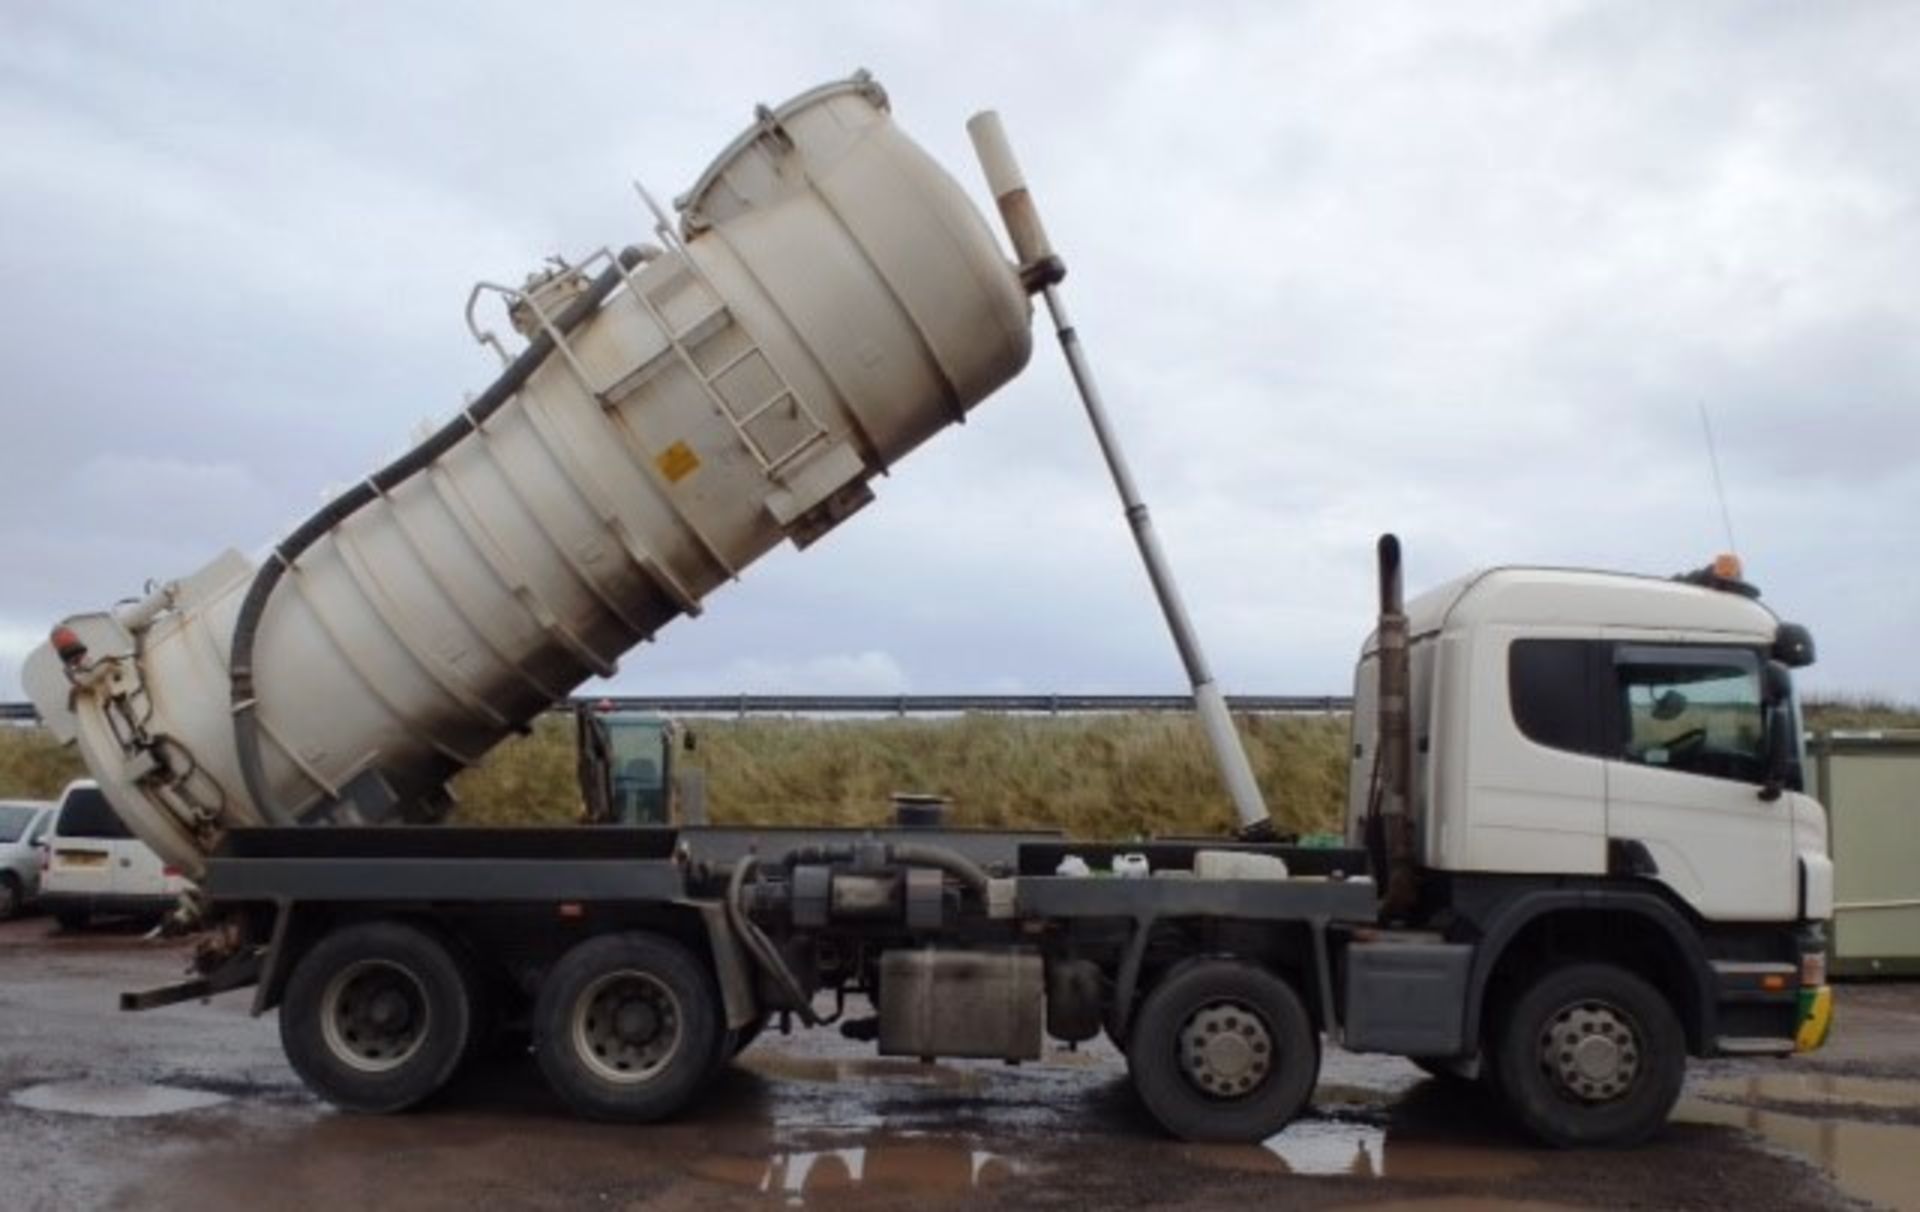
(1591, 1055)
(376, 1016)
(628, 1027)
(10, 895)
(1443, 1071)
(1223, 1051)
(740, 1040)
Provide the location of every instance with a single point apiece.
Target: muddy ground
(193, 1107)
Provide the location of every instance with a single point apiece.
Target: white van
(96, 866)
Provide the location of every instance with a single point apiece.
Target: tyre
(11, 899)
(628, 1027)
(73, 919)
(1223, 1051)
(486, 1010)
(1591, 1055)
(743, 1038)
(1440, 1070)
(375, 1017)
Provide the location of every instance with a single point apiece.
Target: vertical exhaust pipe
(1041, 270)
(1394, 760)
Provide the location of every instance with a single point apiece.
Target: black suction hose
(760, 946)
(246, 719)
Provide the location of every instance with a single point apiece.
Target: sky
(1465, 272)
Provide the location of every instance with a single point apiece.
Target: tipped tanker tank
(828, 300)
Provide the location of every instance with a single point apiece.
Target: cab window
(1693, 710)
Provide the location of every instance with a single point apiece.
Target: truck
(1577, 848)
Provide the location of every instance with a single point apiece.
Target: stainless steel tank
(827, 301)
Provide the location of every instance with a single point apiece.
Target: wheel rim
(627, 1026)
(1226, 1049)
(1591, 1050)
(374, 1015)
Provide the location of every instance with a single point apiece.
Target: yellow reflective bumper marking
(1816, 1018)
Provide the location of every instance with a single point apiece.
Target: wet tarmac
(193, 1107)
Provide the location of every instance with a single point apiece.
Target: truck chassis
(637, 961)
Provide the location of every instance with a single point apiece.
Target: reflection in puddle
(1338, 1148)
(111, 1101)
(1873, 1162)
(1462, 1203)
(798, 1174)
(837, 1069)
(1327, 1147)
(1822, 1088)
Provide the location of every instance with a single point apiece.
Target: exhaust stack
(1041, 271)
(1394, 805)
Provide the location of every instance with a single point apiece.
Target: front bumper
(1816, 1018)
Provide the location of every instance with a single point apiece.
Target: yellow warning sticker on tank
(677, 462)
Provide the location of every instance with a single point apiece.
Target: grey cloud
(1465, 271)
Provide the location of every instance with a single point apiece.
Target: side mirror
(1778, 746)
(1793, 645)
(1671, 705)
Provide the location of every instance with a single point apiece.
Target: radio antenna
(1719, 488)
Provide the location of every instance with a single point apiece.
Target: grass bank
(1092, 775)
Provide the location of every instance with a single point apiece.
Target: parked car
(95, 866)
(22, 822)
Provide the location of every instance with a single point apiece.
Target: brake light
(170, 871)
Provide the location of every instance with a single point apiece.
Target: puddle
(834, 1069)
(1358, 1150)
(901, 1167)
(1462, 1203)
(113, 1101)
(1821, 1089)
(1869, 1161)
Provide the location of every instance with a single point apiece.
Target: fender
(1508, 916)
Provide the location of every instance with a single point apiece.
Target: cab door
(1686, 764)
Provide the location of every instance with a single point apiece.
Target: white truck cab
(1603, 784)
(1569, 722)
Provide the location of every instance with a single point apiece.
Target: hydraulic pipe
(1042, 270)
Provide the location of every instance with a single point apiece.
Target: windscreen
(14, 819)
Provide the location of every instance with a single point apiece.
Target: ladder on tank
(682, 340)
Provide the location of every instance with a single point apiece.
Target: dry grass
(1824, 715)
(32, 766)
(1106, 776)
(1093, 776)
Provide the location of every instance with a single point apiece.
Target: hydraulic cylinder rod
(1042, 270)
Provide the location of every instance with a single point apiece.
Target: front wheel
(628, 1027)
(1591, 1055)
(376, 1016)
(11, 898)
(1223, 1051)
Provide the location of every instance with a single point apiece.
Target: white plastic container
(830, 301)
(1238, 865)
(1131, 866)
